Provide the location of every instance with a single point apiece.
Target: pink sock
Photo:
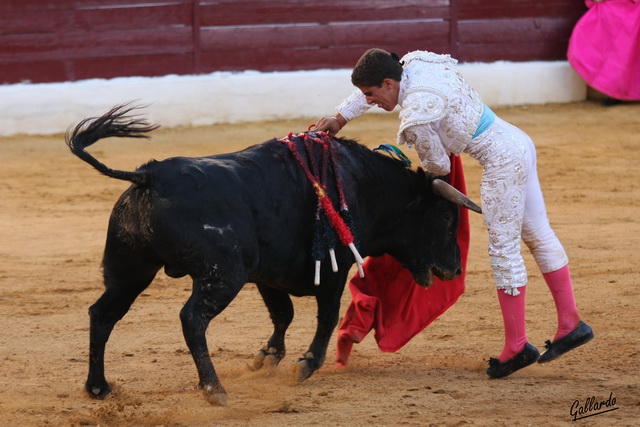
(344, 345)
(559, 283)
(513, 316)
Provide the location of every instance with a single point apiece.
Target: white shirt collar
(403, 84)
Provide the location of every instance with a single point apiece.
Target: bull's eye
(447, 218)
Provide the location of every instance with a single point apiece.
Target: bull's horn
(449, 192)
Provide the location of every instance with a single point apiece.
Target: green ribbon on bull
(395, 152)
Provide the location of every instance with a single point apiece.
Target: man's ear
(387, 82)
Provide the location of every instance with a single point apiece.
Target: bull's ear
(449, 192)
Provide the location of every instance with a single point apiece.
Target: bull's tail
(117, 123)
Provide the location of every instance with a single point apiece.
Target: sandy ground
(53, 218)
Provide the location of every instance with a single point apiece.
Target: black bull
(248, 217)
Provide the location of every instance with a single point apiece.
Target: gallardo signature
(592, 407)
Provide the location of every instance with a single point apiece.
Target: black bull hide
(248, 217)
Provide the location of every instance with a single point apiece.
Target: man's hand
(331, 125)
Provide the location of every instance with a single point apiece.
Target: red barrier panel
(60, 40)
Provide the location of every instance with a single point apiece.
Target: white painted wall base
(224, 97)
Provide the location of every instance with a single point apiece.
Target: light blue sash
(486, 120)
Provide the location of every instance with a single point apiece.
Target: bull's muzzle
(428, 277)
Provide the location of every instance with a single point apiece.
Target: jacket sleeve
(354, 106)
(433, 156)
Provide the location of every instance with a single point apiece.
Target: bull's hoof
(303, 369)
(215, 395)
(269, 358)
(98, 391)
(271, 361)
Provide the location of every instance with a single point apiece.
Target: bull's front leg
(328, 311)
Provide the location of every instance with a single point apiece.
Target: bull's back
(255, 204)
(260, 181)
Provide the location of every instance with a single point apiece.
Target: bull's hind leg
(281, 312)
(209, 297)
(122, 288)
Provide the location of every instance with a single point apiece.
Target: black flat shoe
(526, 357)
(582, 334)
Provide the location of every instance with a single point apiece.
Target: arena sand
(53, 218)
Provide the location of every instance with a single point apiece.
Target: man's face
(385, 96)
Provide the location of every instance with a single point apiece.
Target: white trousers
(512, 205)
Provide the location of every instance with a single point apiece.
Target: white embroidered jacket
(439, 112)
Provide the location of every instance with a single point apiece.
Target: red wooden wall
(61, 40)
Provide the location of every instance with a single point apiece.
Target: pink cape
(388, 300)
(604, 48)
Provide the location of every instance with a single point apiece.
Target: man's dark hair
(375, 66)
